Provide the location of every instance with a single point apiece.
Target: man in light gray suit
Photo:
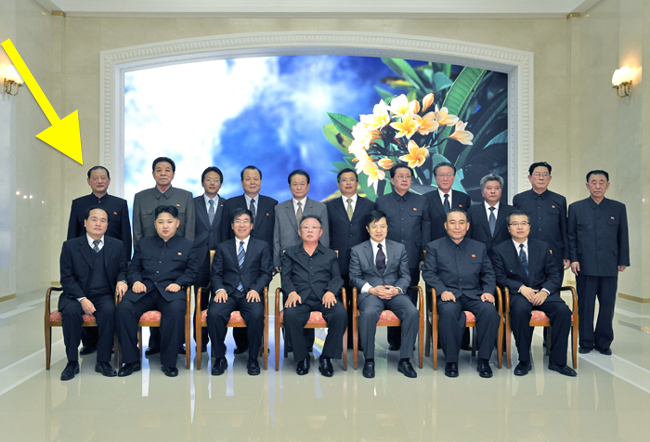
(382, 279)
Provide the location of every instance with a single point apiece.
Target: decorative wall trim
(519, 66)
(633, 298)
(7, 297)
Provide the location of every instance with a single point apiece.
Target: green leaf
(411, 96)
(404, 70)
(365, 188)
(384, 94)
(334, 136)
(441, 81)
(343, 123)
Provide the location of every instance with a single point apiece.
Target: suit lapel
(483, 219)
(455, 196)
(532, 262)
(203, 212)
(86, 251)
(367, 247)
(217, 214)
(292, 215)
(501, 218)
(338, 205)
(516, 262)
(438, 204)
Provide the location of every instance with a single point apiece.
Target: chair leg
(345, 350)
(574, 346)
(427, 337)
(116, 352)
(266, 344)
(140, 341)
(508, 343)
(434, 342)
(188, 339)
(277, 343)
(473, 332)
(199, 343)
(548, 341)
(500, 345)
(355, 341)
(48, 345)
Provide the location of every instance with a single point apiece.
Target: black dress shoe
(171, 372)
(239, 351)
(152, 351)
(451, 369)
(128, 369)
(604, 351)
(88, 349)
(105, 369)
(204, 348)
(219, 367)
(303, 367)
(325, 367)
(394, 347)
(71, 369)
(465, 347)
(253, 367)
(369, 369)
(181, 350)
(484, 369)
(523, 368)
(563, 369)
(584, 350)
(406, 368)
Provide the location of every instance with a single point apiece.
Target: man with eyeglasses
(407, 214)
(312, 282)
(347, 216)
(547, 211)
(442, 200)
(526, 266)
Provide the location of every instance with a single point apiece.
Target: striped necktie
(241, 255)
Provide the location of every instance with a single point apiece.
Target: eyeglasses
(351, 180)
(522, 224)
(445, 175)
(242, 221)
(541, 175)
(403, 177)
(310, 228)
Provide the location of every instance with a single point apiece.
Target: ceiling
(322, 8)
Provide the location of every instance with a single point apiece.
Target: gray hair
(491, 177)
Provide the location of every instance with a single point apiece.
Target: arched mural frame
(517, 64)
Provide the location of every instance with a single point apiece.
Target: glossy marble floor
(608, 401)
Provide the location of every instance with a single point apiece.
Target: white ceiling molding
(517, 64)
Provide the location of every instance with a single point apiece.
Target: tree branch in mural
(448, 113)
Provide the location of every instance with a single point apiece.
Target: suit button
(157, 271)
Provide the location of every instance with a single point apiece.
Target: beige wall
(579, 122)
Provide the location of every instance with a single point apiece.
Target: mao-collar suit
(144, 207)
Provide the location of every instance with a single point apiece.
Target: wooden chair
(539, 319)
(386, 319)
(315, 321)
(55, 319)
(470, 321)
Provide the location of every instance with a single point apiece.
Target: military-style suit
(87, 274)
(599, 241)
(363, 270)
(255, 274)
(542, 274)
(144, 206)
(465, 270)
(157, 264)
(459, 200)
(548, 218)
(479, 227)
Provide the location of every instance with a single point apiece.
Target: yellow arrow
(64, 134)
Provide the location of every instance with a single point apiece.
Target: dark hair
(316, 217)
(374, 216)
(393, 170)
(298, 172)
(94, 208)
(490, 177)
(90, 171)
(517, 213)
(163, 160)
(239, 212)
(173, 211)
(251, 168)
(598, 172)
(347, 170)
(212, 169)
(443, 164)
(539, 164)
(457, 211)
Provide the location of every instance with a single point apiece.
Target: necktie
(96, 246)
(299, 213)
(380, 260)
(241, 254)
(523, 258)
(253, 210)
(350, 211)
(446, 205)
(211, 211)
(492, 220)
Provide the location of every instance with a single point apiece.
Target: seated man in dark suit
(379, 269)
(460, 271)
(311, 278)
(162, 267)
(526, 266)
(240, 270)
(93, 269)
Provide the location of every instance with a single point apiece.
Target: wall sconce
(622, 81)
(13, 81)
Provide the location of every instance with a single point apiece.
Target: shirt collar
(525, 243)
(237, 241)
(375, 243)
(487, 206)
(91, 243)
(248, 199)
(345, 199)
(207, 198)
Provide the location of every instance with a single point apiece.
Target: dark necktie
(241, 254)
(380, 260)
(492, 220)
(446, 204)
(211, 211)
(96, 245)
(523, 258)
(253, 210)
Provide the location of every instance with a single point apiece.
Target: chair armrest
(344, 298)
(266, 300)
(499, 300)
(434, 302)
(278, 295)
(48, 293)
(507, 310)
(421, 300)
(355, 308)
(574, 295)
(188, 298)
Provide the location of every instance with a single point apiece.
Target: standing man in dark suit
(444, 199)
(599, 248)
(99, 178)
(547, 212)
(526, 266)
(347, 216)
(240, 271)
(93, 269)
(460, 271)
(162, 267)
(379, 269)
(312, 281)
(263, 212)
(145, 203)
(209, 211)
(407, 214)
(487, 220)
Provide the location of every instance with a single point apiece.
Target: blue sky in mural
(265, 111)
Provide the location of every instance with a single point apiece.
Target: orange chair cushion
(56, 316)
(469, 317)
(388, 315)
(314, 318)
(151, 315)
(235, 316)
